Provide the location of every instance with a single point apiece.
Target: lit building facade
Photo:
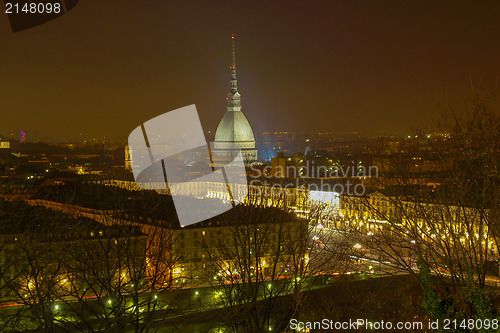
(426, 222)
(128, 158)
(239, 252)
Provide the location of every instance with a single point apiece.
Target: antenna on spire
(233, 66)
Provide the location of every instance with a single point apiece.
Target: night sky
(369, 66)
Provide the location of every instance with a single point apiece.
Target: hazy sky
(109, 65)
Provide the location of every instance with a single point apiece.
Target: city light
(334, 205)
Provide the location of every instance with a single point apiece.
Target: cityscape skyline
(352, 185)
(377, 68)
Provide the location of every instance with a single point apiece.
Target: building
(128, 158)
(278, 166)
(294, 198)
(4, 144)
(424, 220)
(48, 254)
(236, 248)
(234, 130)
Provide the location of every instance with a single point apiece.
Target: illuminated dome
(234, 127)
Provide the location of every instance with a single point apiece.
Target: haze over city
(373, 67)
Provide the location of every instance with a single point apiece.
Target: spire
(234, 82)
(233, 98)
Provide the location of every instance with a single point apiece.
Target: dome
(234, 127)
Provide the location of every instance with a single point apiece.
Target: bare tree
(257, 254)
(444, 233)
(81, 275)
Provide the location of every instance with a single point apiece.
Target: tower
(234, 128)
(128, 158)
